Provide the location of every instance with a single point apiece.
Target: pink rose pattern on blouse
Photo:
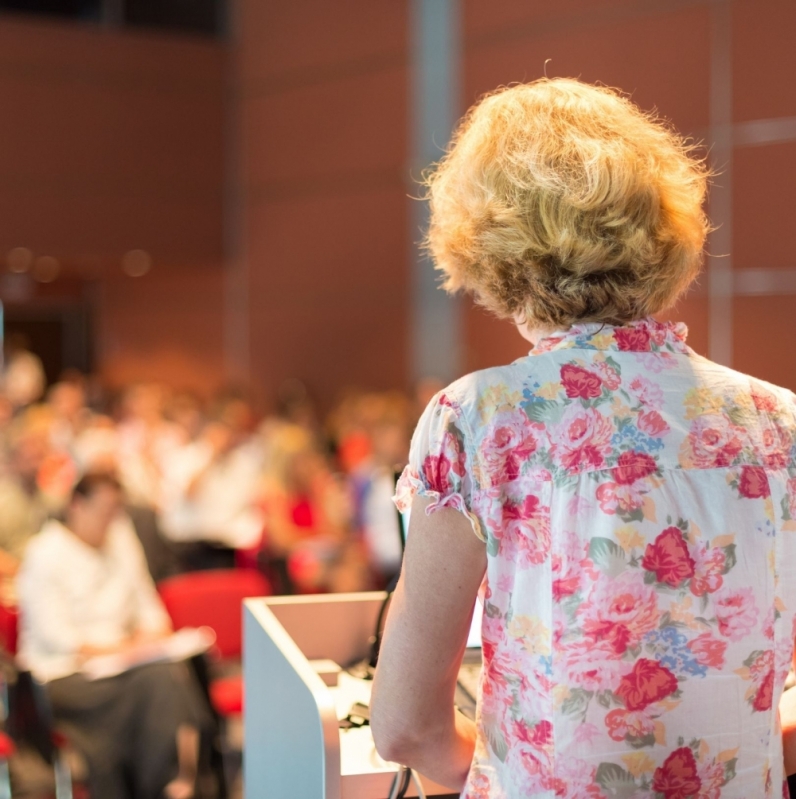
(638, 507)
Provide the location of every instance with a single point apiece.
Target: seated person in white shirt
(84, 591)
(212, 486)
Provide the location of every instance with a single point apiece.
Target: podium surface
(293, 745)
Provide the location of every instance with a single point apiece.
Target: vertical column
(720, 272)
(236, 288)
(436, 332)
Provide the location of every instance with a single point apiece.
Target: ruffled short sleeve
(440, 464)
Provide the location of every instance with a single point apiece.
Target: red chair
(9, 622)
(9, 625)
(56, 743)
(7, 749)
(213, 599)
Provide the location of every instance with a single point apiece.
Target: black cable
(405, 776)
(405, 785)
(375, 645)
(377, 635)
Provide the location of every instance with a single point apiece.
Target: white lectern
(293, 747)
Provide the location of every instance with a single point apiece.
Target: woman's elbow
(395, 738)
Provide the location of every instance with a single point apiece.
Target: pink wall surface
(325, 144)
(323, 112)
(296, 137)
(114, 141)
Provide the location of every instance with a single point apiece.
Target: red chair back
(213, 599)
(9, 625)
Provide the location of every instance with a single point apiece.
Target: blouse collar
(643, 335)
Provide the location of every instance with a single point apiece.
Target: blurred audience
(186, 413)
(23, 379)
(210, 485)
(306, 500)
(146, 440)
(308, 516)
(85, 592)
(71, 417)
(387, 430)
(102, 497)
(24, 507)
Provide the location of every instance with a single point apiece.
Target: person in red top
(308, 542)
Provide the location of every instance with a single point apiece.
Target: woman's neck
(531, 331)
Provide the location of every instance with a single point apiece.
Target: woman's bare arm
(412, 713)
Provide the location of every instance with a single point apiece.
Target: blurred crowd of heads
(310, 478)
(74, 429)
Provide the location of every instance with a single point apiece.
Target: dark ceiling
(190, 16)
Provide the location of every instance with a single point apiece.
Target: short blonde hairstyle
(562, 202)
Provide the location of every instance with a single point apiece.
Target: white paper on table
(183, 644)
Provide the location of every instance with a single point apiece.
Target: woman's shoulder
(495, 386)
(470, 405)
(769, 398)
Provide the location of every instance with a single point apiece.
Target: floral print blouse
(638, 508)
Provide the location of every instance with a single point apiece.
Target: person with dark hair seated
(85, 592)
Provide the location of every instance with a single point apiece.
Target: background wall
(269, 177)
(167, 326)
(764, 189)
(324, 131)
(114, 141)
(322, 91)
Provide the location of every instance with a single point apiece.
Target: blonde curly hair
(560, 202)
